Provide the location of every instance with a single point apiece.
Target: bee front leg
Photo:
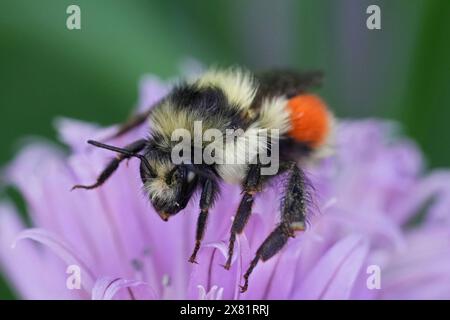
(209, 192)
(134, 147)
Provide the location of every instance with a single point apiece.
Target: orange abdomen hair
(310, 120)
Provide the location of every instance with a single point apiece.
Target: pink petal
(61, 249)
(379, 227)
(209, 271)
(107, 288)
(75, 133)
(34, 273)
(214, 294)
(420, 271)
(334, 275)
(151, 90)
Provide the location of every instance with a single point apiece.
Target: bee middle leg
(252, 185)
(293, 215)
(209, 191)
(134, 147)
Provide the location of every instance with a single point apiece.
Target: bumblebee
(227, 99)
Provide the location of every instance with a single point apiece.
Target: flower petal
(61, 249)
(108, 288)
(421, 270)
(35, 274)
(75, 133)
(209, 271)
(334, 275)
(151, 89)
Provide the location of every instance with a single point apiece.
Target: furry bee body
(224, 100)
(235, 99)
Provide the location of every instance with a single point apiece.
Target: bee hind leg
(293, 209)
(273, 243)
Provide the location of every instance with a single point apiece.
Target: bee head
(168, 186)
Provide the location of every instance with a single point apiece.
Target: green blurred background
(401, 72)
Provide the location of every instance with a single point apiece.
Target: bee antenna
(122, 151)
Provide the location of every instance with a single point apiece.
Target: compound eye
(173, 176)
(176, 175)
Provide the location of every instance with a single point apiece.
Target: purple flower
(375, 208)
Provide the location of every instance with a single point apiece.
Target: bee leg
(293, 209)
(273, 243)
(252, 185)
(113, 165)
(207, 197)
(133, 122)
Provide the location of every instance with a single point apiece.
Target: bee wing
(285, 83)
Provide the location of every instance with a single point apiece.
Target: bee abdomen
(310, 120)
